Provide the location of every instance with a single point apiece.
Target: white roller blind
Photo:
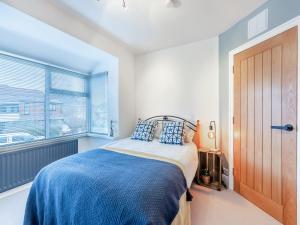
(67, 82)
(99, 104)
(22, 101)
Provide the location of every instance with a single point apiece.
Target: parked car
(13, 138)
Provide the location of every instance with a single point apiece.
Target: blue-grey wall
(280, 11)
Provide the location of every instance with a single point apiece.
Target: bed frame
(166, 118)
(189, 124)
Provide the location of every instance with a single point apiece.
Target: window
(3, 140)
(21, 82)
(71, 118)
(99, 104)
(52, 106)
(9, 108)
(68, 93)
(40, 102)
(63, 81)
(26, 109)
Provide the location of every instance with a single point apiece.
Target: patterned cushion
(144, 130)
(172, 133)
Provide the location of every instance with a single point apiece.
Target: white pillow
(158, 130)
(188, 135)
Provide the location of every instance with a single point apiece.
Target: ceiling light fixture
(168, 3)
(172, 3)
(124, 5)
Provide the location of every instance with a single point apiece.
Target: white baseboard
(15, 190)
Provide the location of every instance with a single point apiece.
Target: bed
(125, 182)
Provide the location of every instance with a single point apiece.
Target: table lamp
(212, 134)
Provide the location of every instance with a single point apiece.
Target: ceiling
(26, 36)
(149, 25)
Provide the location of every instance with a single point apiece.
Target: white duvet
(185, 155)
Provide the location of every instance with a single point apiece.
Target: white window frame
(48, 90)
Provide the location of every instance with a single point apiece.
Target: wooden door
(265, 95)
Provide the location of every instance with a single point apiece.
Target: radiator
(21, 166)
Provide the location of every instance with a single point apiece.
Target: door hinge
(233, 70)
(233, 171)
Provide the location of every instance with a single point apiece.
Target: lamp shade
(196, 138)
(211, 135)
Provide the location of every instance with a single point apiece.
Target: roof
(12, 94)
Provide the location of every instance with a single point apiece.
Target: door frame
(275, 31)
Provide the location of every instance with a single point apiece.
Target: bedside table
(215, 184)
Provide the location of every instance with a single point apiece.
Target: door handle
(287, 127)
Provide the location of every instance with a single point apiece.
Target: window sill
(103, 136)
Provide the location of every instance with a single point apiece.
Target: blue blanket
(101, 187)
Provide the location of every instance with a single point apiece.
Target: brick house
(22, 110)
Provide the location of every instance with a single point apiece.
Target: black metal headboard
(165, 118)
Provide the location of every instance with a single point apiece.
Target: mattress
(185, 156)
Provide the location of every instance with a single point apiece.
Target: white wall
(12, 205)
(180, 81)
(72, 24)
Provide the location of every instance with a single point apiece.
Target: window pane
(99, 105)
(22, 94)
(67, 115)
(66, 82)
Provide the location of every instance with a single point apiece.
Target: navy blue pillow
(144, 130)
(172, 133)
